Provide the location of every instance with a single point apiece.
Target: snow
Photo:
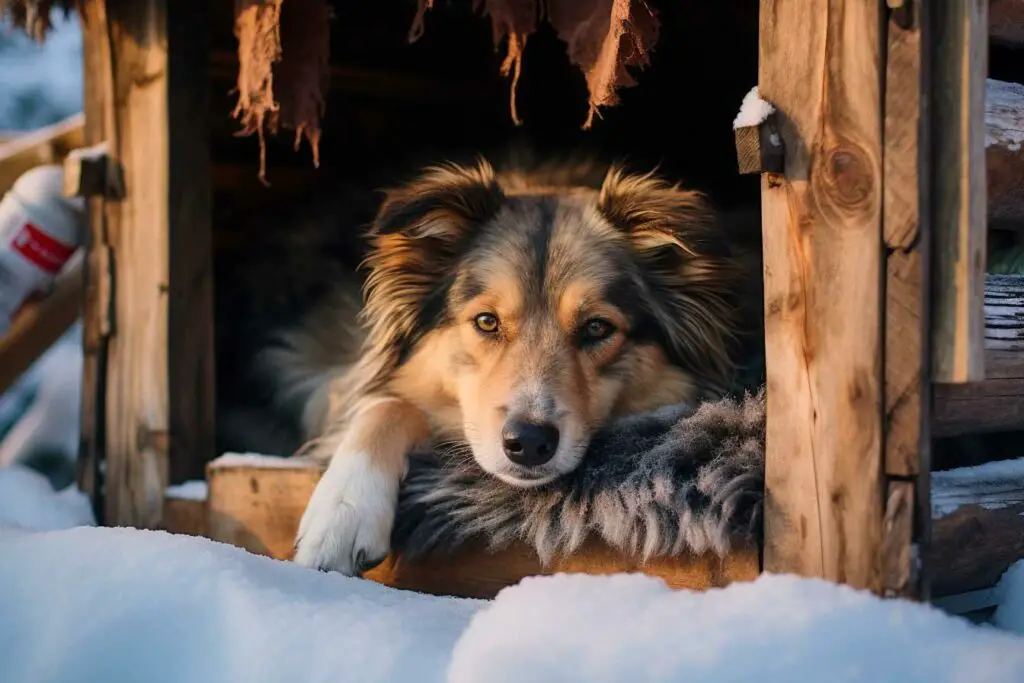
(777, 629)
(1009, 614)
(28, 502)
(1004, 115)
(258, 460)
(102, 604)
(41, 83)
(107, 604)
(753, 111)
(195, 489)
(992, 485)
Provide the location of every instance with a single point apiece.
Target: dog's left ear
(443, 203)
(657, 216)
(687, 262)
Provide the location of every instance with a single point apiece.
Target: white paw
(347, 525)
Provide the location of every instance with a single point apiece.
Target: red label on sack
(41, 249)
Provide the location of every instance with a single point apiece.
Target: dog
(510, 313)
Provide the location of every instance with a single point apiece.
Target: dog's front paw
(347, 525)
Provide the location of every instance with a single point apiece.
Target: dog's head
(549, 310)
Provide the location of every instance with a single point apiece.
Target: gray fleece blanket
(680, 479)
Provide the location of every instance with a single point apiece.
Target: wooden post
(821, 67)
(959, 65)
(148, 338)
(906, 215)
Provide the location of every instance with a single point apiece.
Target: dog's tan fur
(544, 253)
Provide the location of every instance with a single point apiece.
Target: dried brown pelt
(283, 70)
(605, 38)
(33, 16)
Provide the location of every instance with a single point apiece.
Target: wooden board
(820, 65)
(996, 404)
(972, 547)
(1004, 158)
(47, 145)
(145, 250)
(957, 109)
(257, 504)
(184, 516)
(475, 572)
(906, 365)
(40, 324)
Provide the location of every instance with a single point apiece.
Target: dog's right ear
(420, 230)
(444, 203)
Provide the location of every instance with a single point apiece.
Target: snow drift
(100, 604)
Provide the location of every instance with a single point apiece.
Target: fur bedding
(679, 479)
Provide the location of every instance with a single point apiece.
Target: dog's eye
(486, 323)
(595, 330)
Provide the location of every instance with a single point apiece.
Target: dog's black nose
(529, 444)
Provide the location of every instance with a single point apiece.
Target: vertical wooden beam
(142, 256)
(907, 371)
(96, 309)
(959, 66)
(821, 66)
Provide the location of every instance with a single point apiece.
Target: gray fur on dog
(675, 480)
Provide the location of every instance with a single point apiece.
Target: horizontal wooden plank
(972, 547)
(39, 324)
(256, 503)
(474, 572)
(993, 405)
(47, 145)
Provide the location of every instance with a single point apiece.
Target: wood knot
(848, 177)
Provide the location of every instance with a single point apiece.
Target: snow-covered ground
(40, 84)
(86, 604)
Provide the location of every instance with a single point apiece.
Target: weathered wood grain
(148, 303)
(958, 191)
(100, 127)
(972, 547)
(906, 287)
(47, 145)
(821, 67)
(898, 559)
(994, 405)
(906, 442)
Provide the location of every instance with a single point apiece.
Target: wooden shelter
(895, 169)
